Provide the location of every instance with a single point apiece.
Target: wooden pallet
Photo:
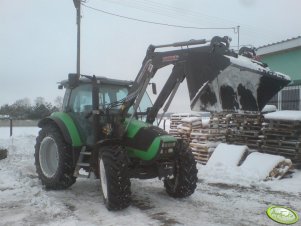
(250, 143)
(283, 122)
(201, 160)
(282, 144)
(208, 131)
(277, 132)
(291, 151)
(296, 138)
(245, 133)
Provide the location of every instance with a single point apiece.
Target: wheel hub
(49, 157)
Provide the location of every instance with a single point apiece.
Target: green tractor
(107, 126)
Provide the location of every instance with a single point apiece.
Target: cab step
(81, 163)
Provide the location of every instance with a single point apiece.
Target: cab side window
(81, 99)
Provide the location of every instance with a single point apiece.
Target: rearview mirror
(154, 88)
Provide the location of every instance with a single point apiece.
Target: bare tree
(39, 101)
(25, 102)
(58, 102)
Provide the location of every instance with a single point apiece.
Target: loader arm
(156, 60)
(217, 78)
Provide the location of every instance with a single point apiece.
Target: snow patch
(227, 155)
(259, 165)
(23, 201)
(269, 108)
(284, 115)
(223, 165)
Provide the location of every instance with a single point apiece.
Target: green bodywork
(132, 129)
(153, 149)
(70, 126)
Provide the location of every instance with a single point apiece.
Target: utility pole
(77, 4)
(238, 37)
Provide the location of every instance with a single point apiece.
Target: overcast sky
(38, 37)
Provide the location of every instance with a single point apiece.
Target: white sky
(38, 37)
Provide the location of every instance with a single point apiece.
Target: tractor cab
(110, 94)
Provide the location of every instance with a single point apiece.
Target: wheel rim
(49, 157)
(103, 179)
(173, 182)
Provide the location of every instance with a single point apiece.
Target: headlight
(168, 145)
(170, 150)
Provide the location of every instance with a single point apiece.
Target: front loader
(106, 125)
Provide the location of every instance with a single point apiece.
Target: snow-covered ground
(221, 198)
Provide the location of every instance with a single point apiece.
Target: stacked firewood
(283, 137)
(245, 128)
(280, 137)
(187, 125)
(204, 140)
(175, 121)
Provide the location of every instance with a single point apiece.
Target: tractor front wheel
(53, 159)
(183, 182)
(114, 177)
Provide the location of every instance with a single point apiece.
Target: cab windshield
(109, 96)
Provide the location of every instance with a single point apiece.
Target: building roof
(279, 46)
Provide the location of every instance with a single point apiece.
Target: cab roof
(100, 80)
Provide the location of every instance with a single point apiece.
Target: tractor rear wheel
(183, 182)
(114, 177)
(53, 159)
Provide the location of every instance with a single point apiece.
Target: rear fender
(66, 125)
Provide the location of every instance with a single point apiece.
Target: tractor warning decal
(170, 58)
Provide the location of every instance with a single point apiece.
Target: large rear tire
(114, 177)
(53, 159)
(183, 182)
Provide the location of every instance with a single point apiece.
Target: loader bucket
(222, 82)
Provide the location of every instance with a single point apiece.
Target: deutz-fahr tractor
(107, 126)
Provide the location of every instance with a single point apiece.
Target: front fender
(66, 125)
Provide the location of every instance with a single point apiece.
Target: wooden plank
(281, 137)
(282, 143)
(269, 131)
(280, 149)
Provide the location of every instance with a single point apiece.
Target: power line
(158, 23)
(162, 9)
(175, 12)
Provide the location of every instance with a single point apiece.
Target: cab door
(79, 108)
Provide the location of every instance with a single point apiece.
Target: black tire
(57, 174)
(185, 177)
(3, 153)
(114, 177)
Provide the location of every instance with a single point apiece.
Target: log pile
(204, 140)
(280, 170)
(203, 135)
(175, 121)
(187, 125)
(272, 136)
(245, 129)
(283, 137)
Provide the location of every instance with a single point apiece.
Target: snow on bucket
(221, 82)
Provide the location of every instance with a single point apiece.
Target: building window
(290, 99)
